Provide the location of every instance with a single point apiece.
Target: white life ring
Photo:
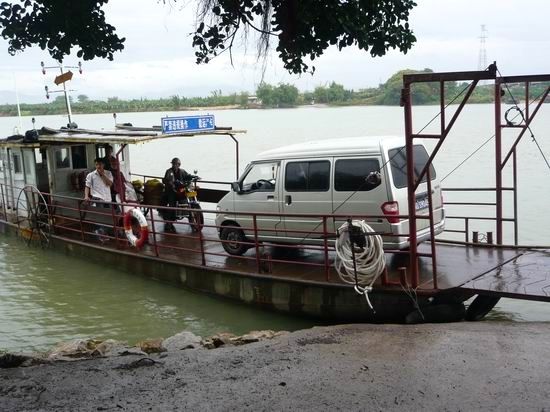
(135, 241)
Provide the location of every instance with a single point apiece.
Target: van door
(260, 194)
(306, 190)
(355, 195)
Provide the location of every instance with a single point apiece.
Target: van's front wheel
(233, 238)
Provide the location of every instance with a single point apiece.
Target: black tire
(480, 307)
(196, 219)
(231, 235)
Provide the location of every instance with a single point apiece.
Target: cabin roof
(48, 135)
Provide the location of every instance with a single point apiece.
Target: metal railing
(74, 219)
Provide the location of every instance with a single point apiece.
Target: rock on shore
(461, 366)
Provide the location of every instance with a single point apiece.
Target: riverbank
(461, 366)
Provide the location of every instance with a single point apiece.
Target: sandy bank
(462, 366)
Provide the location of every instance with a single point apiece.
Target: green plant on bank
(281, 95)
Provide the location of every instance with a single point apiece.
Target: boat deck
(518, 273)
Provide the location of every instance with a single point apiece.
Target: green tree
(302, 30)
(265, 93)
(286, 95)
(82, 98)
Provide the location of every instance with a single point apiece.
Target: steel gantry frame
(445, 127)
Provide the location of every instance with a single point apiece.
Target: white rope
(369, 262)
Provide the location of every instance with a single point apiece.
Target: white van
(347, 177)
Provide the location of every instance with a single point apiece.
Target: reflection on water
(47, 297)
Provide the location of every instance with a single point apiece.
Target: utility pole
(61, 79)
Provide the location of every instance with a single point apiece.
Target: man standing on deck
(98, 183)
(172, 175)
(98, 187)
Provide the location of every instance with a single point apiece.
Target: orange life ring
(144, 229)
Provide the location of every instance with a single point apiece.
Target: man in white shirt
(98, 183)
(98, 187)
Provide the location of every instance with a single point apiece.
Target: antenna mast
(61, 79)
(482, 61)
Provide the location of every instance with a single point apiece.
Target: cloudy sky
(158, 59)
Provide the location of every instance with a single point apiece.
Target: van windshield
(398, 162)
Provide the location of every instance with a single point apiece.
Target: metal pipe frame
(412, 183)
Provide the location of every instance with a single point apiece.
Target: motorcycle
(187, 203)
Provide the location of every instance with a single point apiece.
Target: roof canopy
(48, 135)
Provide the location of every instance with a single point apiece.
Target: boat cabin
(56, 161)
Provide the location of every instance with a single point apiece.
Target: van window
(350, 174)
(307, 176)
(261, 176)
(398, 161)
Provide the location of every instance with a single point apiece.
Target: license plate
(422, 203)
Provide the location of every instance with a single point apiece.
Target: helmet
(175, 160)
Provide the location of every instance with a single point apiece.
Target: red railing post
(413, 250)
(115, 226)
(432, 232)
(498, 161)
(155, 246)
(80, 220)
(201, 241)
(325, 244)
(256, 245)
(515, 182)
(4, 203)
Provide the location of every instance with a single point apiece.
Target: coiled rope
(359, 266)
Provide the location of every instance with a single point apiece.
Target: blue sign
(184, 124)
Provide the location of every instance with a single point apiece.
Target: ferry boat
(41, 200)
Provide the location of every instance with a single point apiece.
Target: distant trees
(283, 95)
(82, 98)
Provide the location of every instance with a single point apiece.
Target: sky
(158, 60)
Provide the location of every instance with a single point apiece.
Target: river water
(47, 297)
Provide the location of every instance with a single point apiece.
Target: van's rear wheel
(233, 238)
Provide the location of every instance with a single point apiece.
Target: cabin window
(350, 174)
(100, 151)
(17, 167)
(40, 158)
(61, 156)
(78, 156)
(261, 176)
(398, 161)
(311, 176)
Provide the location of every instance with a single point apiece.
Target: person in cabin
(172, 175)
(112, 165)
(110, 162)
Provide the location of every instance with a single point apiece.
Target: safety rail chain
(75, 219)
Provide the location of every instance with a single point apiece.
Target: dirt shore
(462, 366)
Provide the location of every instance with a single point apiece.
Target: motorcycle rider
(172, 175)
